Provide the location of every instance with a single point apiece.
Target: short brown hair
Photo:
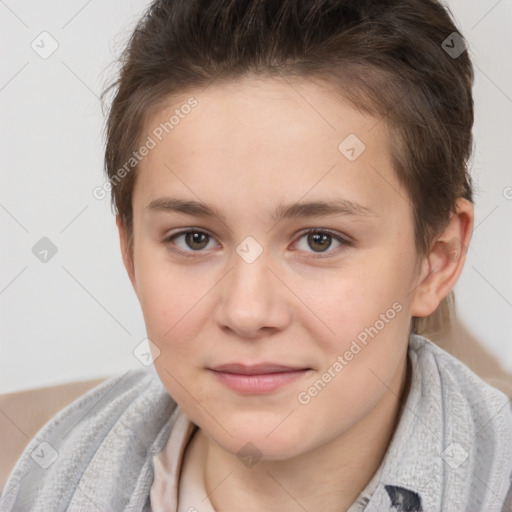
(386, 57)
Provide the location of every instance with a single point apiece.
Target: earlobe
(125, 251)
(443, 265)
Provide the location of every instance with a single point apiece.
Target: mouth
(257, 379)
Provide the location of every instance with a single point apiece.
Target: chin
(259, 436)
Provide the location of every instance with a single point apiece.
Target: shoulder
(453, 444)
(26, 411)
(468, 401)
(111, 427)
(436, 363)
(131, 392)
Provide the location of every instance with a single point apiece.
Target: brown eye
(319, 241)
(196, 240)
(191, 241)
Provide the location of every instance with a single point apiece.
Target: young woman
(292, 197)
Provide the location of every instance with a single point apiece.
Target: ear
(442, 267)
(125, 251)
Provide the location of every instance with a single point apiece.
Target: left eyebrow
(293, 210)
(321, 209)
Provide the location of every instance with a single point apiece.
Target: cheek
(370, 323)
(174, 315)
(352, 299)
(171, 298)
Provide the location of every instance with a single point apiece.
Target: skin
(246, 148)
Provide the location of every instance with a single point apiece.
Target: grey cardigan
(451, 451)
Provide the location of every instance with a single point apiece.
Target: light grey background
(76, 316)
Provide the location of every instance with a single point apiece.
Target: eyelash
(345, 243)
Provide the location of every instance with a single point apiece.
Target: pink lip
(256, 379)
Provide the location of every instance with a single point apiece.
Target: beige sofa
(25, 412)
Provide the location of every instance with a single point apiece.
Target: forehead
(268, 138)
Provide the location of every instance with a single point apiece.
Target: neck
(328, 478)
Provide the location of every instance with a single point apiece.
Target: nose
(253, 300)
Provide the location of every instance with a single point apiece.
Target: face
(273, 260)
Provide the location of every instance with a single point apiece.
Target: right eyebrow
(187, 207)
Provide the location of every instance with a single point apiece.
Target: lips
(257, 369)
(257, 379)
